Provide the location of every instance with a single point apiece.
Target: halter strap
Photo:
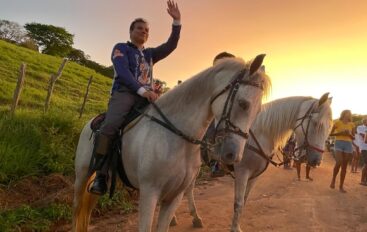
(306, 144)
(233, 87)
(238, 79)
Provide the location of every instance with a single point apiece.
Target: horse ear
(262, 68)
(330, 99)
(323, 98)
(255, 65)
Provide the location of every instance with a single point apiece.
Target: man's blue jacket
(133, 67)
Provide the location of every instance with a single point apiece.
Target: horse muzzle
(229, 150)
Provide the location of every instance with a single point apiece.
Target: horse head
(235, 108)
(315, 122)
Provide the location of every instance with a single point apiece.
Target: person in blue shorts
(344, 131)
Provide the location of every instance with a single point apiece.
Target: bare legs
(364, 169)
(364, 175)
(308, 168)
(341, 163)
(355, 161)
(298, 167)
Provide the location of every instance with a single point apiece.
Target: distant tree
(11, 31)
(165, 88)
(78, 56)
(30, 44)
(81, 58)
(52, 40)
(106, 71)
(357, 119)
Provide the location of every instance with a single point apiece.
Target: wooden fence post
(18, 88)
(85, 96)
(51, 85)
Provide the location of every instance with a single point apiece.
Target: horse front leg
(196, 221)
(147, 203)
(241, 193)
(166, 212)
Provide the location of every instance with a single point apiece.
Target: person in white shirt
(362, 137)
(356, 153)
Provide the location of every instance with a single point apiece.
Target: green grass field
(69, 89)
(32, 142)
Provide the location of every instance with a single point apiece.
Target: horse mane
(203, 82)
(277, 115)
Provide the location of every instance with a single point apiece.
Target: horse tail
(83, 205)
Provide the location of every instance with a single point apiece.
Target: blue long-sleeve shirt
(133, 67)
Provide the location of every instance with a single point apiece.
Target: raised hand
(173, 10)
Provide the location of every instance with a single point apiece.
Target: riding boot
(99, 184)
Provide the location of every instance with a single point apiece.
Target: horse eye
(245, 105)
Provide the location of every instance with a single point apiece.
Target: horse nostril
(229, 156)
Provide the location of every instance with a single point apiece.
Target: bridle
(229, 127)
(306, 145)
(225, 118)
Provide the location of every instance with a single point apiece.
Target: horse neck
(273, 133)
(188, 106)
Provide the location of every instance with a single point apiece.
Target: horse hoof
(173, 222)
(197, 223)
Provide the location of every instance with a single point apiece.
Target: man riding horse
(132, 82)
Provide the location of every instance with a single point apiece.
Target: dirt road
(278, 202)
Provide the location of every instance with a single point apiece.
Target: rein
(167, 124)
(233, 86)
(261, 152)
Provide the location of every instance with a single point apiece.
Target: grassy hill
(34, 143)
(69, 89)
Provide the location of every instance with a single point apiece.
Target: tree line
(51, 40)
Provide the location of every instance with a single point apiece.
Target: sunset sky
(312, 46)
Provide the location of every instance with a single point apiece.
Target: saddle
(115, 161)
(130, 117)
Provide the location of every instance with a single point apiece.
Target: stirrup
(98, 186)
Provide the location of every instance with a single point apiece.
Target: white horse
(310, 119)
(161, 164)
